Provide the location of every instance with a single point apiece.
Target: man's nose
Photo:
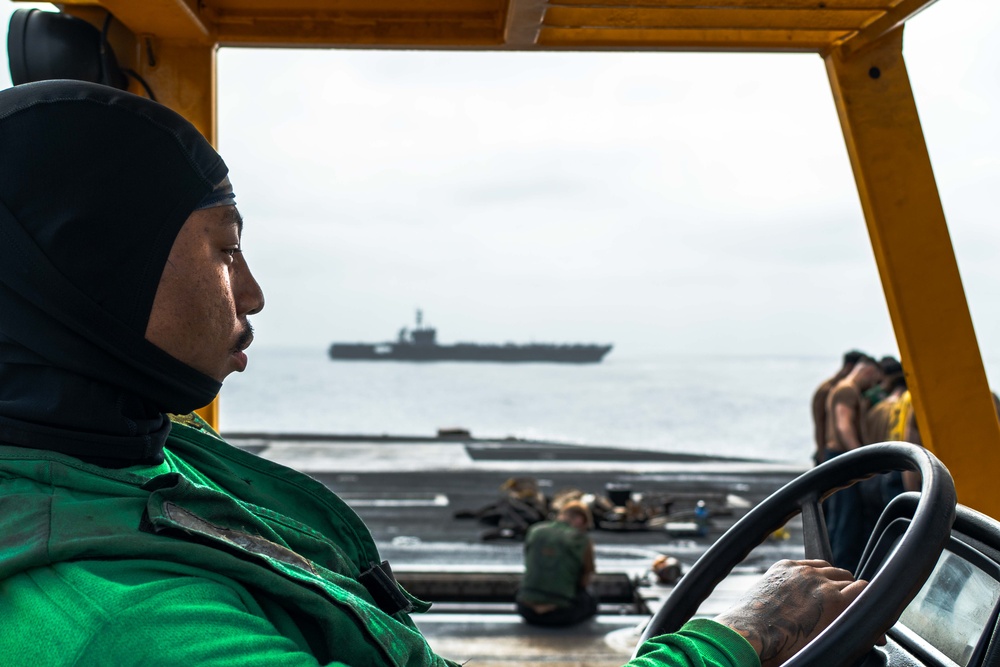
(249, 295)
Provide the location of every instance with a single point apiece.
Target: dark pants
(584, 606)
(849, 522)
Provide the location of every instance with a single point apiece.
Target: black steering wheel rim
(856, 630)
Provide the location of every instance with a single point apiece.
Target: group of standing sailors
(864, 402)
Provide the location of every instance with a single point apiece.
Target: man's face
(868, 376)
(199, 314)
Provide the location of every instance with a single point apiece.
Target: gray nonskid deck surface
(408, 489)
(607, 640)
(506, 640)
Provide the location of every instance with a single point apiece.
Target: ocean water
(746, 406)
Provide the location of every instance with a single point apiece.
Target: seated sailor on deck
(558, 566)
(128, 539)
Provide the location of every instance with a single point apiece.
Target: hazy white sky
(662, 202)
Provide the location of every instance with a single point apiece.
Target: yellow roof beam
(359, 28)
(739, 5)
(167, 19)
(882, 25)
(688, 40)
(732, 25)
(706, 19)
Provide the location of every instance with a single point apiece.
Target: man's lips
(245, 338)
(242, 343)
(240, 357)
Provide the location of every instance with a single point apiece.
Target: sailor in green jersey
(558, 565)
(128, 538)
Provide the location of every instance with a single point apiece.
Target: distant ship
(420, 344)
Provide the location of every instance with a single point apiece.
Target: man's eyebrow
(233, 217)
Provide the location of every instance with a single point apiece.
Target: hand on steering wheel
(881, 602)
(789, 605)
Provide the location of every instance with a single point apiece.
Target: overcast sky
(662, 202)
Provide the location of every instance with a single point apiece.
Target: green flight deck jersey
(216, 557)
(555, 554)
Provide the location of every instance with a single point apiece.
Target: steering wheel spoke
(814, 533)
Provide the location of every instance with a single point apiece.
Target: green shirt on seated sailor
(129, 539)
(558, 566)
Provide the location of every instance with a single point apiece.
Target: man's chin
(235, 363)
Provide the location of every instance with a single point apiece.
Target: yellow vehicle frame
(172, 44)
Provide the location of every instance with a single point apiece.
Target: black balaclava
(95, 184)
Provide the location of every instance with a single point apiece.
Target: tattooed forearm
(772, 634)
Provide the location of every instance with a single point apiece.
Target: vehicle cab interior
(933, 561)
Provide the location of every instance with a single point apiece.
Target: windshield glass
(953, 607)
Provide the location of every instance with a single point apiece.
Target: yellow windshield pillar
(917, 264)
(210, 413)
(183, 78)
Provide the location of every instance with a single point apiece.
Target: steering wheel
(888, 592)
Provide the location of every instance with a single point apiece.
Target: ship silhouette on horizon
(420, 344)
